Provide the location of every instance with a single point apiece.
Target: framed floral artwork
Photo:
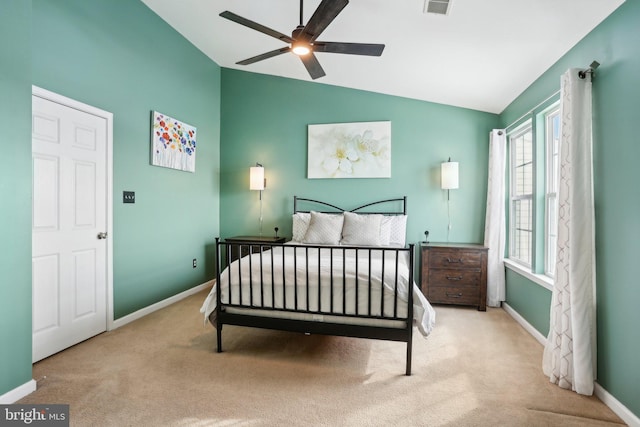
(349, 150)
(173, 143)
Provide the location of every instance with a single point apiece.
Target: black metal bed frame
(258, 302)
(402, 200)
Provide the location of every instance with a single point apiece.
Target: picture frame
(173, 143)
(349, 150)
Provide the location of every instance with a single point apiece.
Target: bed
(345, 272)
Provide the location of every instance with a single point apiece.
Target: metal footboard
(269, 290)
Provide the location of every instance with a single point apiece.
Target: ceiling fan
(303, 39)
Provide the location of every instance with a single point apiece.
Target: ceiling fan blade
(321, 18)
(255, 26)
(312, 65)
(265, 55)
(368, 49)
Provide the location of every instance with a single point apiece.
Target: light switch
(128, 197)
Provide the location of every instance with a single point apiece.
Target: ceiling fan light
(300, 49)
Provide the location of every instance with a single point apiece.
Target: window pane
(522, 230)
(552, 236)
(523, 165)
(553, 218)
(522, 171)
(552, 144)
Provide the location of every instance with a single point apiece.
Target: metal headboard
(402, 200)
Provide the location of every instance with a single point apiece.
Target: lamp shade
(449, 175)
(256, 178)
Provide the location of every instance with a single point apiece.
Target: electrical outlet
(195, 263)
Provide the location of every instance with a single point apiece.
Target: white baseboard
(157, 306)
(526, 325)
(622, 411)
(18, 393)
(614, 404)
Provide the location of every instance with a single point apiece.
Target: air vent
(438, 7)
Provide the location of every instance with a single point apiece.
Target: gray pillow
(324, 229)
(361, 230)
(300, 225)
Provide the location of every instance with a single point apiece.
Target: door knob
(102, 235)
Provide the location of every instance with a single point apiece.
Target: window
(552, 145)
(521, 197)
(534, 162)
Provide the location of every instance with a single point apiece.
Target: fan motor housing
(296, 33)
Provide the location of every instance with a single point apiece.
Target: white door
(69, 253)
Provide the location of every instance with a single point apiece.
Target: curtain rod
(591, 70)
(582, 74)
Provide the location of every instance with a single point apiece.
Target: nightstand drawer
(443, 258)
(466, 278)
(454, 295)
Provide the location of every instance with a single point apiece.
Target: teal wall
(616, 109)
(121, 57)
(265, 118)
(138, 65)
(15, 195)
(526, 297)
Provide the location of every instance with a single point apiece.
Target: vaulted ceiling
(480, 55)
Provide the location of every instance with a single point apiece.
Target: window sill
(540, 279)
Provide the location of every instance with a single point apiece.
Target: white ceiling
(481, 55)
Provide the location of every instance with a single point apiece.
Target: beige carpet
(475, 369)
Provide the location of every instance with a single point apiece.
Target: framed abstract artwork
(349, 150)
(173, 143)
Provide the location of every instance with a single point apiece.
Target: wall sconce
(257, 181)
(449, 176)
(449, 181)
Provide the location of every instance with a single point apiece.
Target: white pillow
(393, 230)
(324, 229)
(300, 225)
(385, 230)
(361, 230)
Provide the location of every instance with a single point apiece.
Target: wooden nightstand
(454, 273)
(243, 245)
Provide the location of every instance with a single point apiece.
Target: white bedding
(423, 313)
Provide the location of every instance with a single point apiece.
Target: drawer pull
(455, 278)
(458, 295)
(454, 261)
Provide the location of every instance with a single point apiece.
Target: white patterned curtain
(570, 352)
(494, 226)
